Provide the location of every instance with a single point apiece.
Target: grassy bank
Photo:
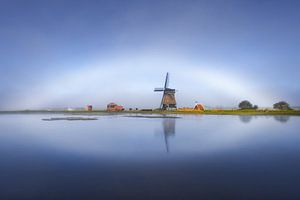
(227, 112)
(246, 112)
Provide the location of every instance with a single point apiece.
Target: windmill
(168, 99)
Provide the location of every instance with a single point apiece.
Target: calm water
(118, 157)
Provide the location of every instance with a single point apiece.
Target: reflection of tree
(245, 118)
(282, 118)
(169, 130)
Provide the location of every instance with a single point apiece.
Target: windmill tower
(168, 99)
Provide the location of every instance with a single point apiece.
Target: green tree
(245, 105)
(282, 105)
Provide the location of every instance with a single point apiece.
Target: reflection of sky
(122, 137)
(115, 157)
(61, 53)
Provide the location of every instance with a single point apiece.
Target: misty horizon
(59, 54)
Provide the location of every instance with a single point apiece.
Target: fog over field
(73, 53)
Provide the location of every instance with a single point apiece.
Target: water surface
(119, 157)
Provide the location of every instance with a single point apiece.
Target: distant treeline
(281, 105)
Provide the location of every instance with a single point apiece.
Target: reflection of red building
(113, 107)
(89, 107)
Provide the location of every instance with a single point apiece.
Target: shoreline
(190, 112)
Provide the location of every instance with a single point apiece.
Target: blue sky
(74, 53)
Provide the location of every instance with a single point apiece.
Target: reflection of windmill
(169, 130)
(168, 99)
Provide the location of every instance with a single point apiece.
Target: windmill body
(168, 100)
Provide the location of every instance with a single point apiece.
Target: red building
(199, 106)
(113, 107)
(89, 107)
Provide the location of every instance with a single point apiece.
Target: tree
(282, 105)
(245, 105)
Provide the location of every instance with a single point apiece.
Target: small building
(89, 108)
(113, 107)
(199, 106)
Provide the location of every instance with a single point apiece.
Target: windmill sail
(167, 81)
(158, 89)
